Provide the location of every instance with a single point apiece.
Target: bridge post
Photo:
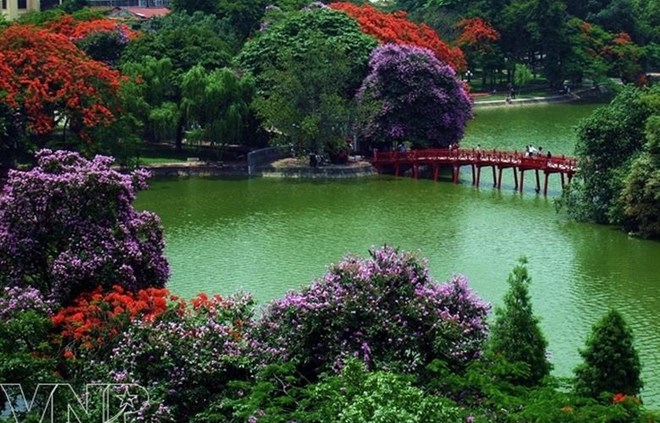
(538, 182)
(522, 178)
(494, 177)
(515, 178)
(455, 173)
(545, 185)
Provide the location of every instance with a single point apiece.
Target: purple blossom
(14, 300)
(419, 98)
(68, 225)
(386, 310)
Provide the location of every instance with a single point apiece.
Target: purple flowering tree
(385, 310)
(68, 225)
(409, 95)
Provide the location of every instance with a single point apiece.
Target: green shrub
(611, 364)
(516, 334)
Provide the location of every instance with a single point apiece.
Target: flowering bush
(410, 95)
(385, 310)
(186, 356)
(68, 226)
(96, 318)
(25, 356)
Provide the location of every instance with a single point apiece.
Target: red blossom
(397, 29)
(44, 73)
(476, 32)
(95, 317)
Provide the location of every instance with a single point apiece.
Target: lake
(268, 236)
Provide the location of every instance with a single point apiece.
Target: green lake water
(268, 236)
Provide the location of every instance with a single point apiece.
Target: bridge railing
(476, 156)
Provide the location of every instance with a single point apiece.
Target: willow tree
(216, 103)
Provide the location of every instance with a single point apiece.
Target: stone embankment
(284, 168)
(561, 98)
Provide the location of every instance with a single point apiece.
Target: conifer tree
(516, 335)
(611, 363)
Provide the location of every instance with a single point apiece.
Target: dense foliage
(610, 189)
(297, 34)
(217, 104)
(68, 225)
(302, 100)
(412, 97)
(611, 364)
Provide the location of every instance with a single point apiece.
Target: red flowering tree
(78, 29)
(476, 33)
(624, 56)
(102, 39)
(397, 29)
(52, 83)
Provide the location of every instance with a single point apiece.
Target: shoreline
(288, 168)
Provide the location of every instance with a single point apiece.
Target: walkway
(497, 160)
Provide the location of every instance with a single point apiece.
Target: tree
(396, 28)
(418, 99)
(610, 363)
(291, 37)
(516, 334)
(68, 226)
(607, 141)
(183, 41)
(217, 103)
(307, 67)
(151, 95)
(478, 40)
(584, 58)
(51, 82)
(640, 196)
(308, 105)
(521, 75)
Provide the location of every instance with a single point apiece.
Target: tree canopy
(49, 81)
(396, 28)
(412, 97)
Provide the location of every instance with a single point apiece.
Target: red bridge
(434, 158)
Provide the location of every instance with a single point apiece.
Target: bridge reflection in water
(498, 161)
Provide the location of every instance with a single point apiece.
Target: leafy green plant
(516, 334)
(611, 363)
